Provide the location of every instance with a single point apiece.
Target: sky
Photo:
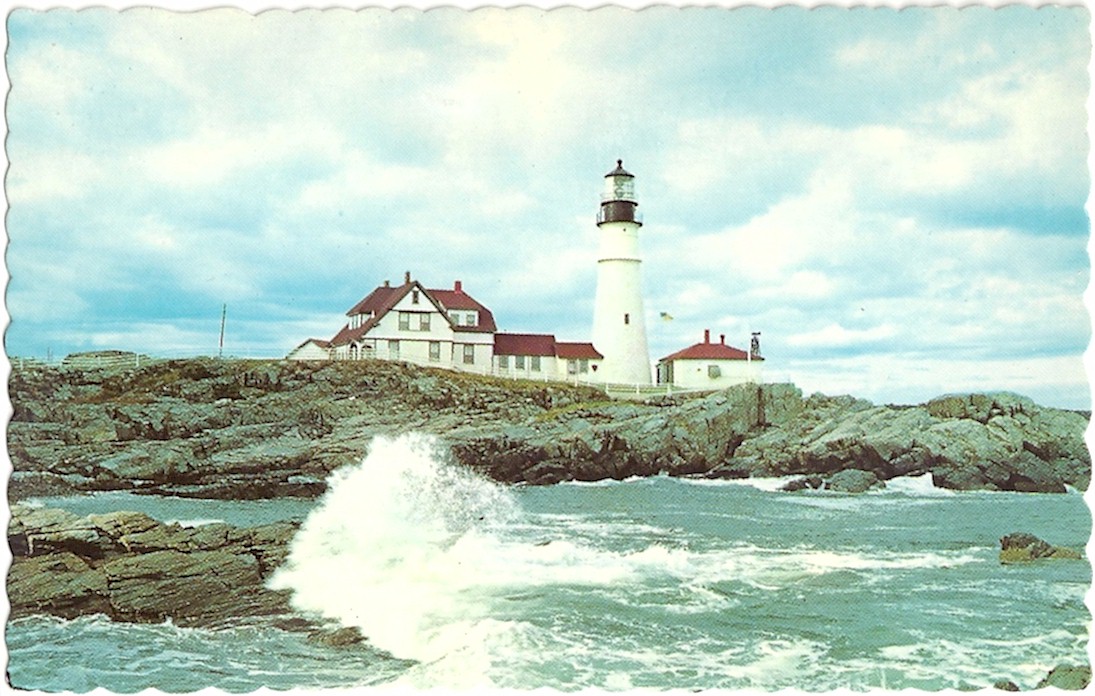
(895, 200)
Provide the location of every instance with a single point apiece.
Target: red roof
(381, 300)
(458, 299)
(524, 344)
(709, 351)
(346, 334)
(378, 302)
(577, 350)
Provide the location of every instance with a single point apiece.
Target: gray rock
(1071, 677)
(853, 481)
(803, 483)
(133, 568)
(60, 583)
(337, 637)
(1021, 547)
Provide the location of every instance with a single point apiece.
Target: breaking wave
(440, 566)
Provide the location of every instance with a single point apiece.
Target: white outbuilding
(312, 349)
(710, 365)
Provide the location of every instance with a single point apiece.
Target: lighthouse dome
(620, 171)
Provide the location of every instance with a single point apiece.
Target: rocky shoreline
(252, 430)
(244, 430)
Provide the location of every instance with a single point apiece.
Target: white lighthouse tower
(619, 326)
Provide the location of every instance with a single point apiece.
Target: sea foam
(394, 549)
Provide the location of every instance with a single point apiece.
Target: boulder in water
(337, 637)
(853, 481)
(1071, 677)
(1021, 547)
(803, 483)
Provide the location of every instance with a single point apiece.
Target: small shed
(312, 349)
(710, 365)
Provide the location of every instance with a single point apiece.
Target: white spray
(391, 549)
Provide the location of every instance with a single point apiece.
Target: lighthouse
(619, 326)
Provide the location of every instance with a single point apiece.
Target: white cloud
(836, 336)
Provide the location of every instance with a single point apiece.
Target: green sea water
(658, 583)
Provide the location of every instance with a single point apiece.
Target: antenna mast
(220, 346)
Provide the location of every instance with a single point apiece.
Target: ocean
(653, 583)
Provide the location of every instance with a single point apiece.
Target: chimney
(722, 339)
(387, 284)
(458, 286)
(407, 278)
(707, 335)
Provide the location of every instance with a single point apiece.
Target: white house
(710, 365)
(413, 323)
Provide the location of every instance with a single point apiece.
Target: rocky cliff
(239, 429)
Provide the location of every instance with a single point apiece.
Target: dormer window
(464, 319)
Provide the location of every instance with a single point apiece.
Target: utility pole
(224, 314)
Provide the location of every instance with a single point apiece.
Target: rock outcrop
(1071, 677)
(131, 567)
(994, 442)
(237, 429)
(240, 429)
(1021, 547)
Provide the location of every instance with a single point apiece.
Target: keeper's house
(447, 328)
(710, 365)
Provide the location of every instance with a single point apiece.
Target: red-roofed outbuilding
(708, 365)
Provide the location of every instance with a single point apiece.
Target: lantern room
(618, 202)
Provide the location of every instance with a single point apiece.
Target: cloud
(836, 336)
(863, 187)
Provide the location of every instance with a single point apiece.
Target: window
(534, 363)
(572, 367)
(583, 366)
(714, 372)
(423, 322)
(503, 361)
(469, 354)
(435, 351)
(404, 321)
(414, 297)
(520, 362)
(393, 349)
(472, 318)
